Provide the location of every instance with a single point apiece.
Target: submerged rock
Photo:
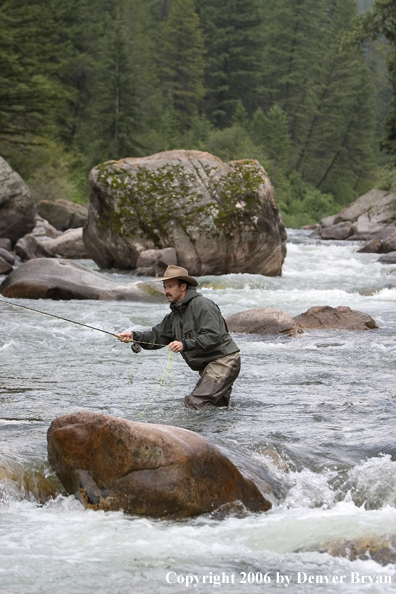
(381, 549)
(46, 278)
(145, 469)
(17, 206)
(220, 217)
(263, 320)
(341, 318)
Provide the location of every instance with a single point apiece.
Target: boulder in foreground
(47, 278)
(111, 463)
(340, 318)
(263, 320)
(220, 217)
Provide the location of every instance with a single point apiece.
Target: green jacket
(197, 322)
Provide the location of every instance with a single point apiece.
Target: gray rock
(45, 278)
(338, 231)
(44, 229)
(328, 221)
(5, 267)
(377, 206)
(5, 243)
(389, 244)
(17, 206)
(68, 245)
(63, 214)
(388, 258)
(263, 320)
(220, 217)
(372, 215)
(28, 247)
(150, 257)
(340, 318)
(7, 256)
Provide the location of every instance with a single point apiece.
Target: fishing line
(135, 348)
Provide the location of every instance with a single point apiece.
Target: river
(317, 412)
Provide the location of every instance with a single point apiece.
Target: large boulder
(46, 278)
(340, 318)
(263, 320)
(17, 206)
(220, 217)
(371, 215)
(63, 214)
(156, 470)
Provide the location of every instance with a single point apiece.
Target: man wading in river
(196, 329)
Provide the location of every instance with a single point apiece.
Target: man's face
(173, 291)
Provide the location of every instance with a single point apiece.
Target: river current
(317, 412)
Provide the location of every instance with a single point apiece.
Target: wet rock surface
(381, 549)
(263, 320)
(111, 463)
(341, 318)
(220, 217)
(65, 279)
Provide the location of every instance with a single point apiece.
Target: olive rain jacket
(196, 322)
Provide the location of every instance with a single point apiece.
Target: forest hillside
(301, 86)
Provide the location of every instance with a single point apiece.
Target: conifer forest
(307, 87)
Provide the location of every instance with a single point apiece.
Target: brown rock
(220, 217)
(372, 247)
(63, 214)
(263, 320)
(68, 245)
(156, 470)
(45, 278)
(341, 318)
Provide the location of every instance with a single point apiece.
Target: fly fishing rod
(135, 347)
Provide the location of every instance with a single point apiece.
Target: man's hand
(125, 336)
(176, 346)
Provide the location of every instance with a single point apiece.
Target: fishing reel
(136, 347)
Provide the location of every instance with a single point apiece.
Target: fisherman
(196, 329)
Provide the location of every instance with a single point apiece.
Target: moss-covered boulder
(220, 217)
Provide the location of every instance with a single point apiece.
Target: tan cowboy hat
(179, 273)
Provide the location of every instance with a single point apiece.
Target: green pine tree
(233, 43)
(181, 60)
